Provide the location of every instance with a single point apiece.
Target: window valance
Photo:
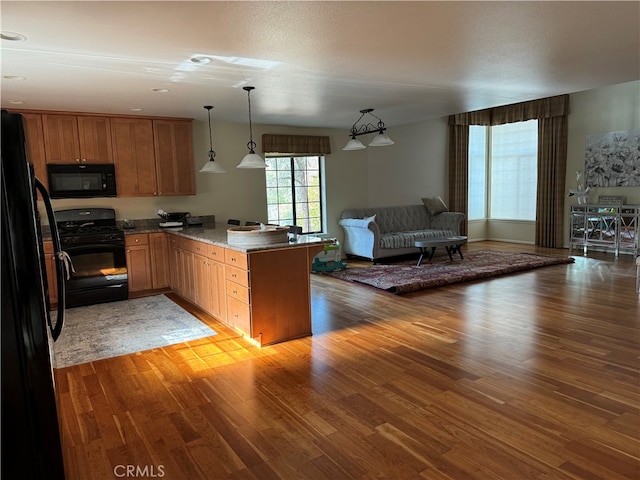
(557, 106)
(295, 144)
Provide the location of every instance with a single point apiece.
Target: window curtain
(552, 114)
(459, 172)
(292, 145)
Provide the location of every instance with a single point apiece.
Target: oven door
(100, 274)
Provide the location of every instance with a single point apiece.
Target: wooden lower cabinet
(208, 280)
(280, 293)
(264, 294)
(147, 261)
(182, 267)
(138, 262)
(159, 251)
(50, 265)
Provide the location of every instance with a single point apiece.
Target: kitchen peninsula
(263, 292)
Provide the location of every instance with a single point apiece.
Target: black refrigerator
(31, 446)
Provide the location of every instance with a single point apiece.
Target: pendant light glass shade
(354, 144)
(251, 159)
(211, 166)
(381, 140)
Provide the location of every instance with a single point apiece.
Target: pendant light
(211, 166)
(380, 140)
(251, 159)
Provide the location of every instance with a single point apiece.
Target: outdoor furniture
(451, 244)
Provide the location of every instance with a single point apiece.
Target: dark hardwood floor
(533, 375)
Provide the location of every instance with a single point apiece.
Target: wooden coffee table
(451, 244)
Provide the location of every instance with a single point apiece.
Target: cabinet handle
(234, 275)
(78, 160)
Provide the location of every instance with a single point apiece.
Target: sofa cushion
(407, 239)
(394, 219)
(435, 205)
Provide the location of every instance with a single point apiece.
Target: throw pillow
(435, 205)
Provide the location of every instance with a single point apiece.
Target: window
(503, 171)
(477, 172)
(294, 192)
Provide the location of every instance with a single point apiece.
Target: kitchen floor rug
(111, 329)
(441, 271)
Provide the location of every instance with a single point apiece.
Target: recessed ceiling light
(160, 90)
(201, 59)
(136, 109)
(16, 102)
(12, 36)
(14, 77)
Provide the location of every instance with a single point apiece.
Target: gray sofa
(376, 233)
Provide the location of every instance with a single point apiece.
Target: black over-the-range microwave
(81, 181)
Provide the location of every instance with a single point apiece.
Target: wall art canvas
(613, 159)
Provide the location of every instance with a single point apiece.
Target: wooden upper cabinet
(77, 139)
(174, 157)
(95, 139)
(34, 138)
(134, 158)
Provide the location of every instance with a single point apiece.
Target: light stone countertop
(218, 237)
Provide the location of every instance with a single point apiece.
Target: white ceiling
(313, 63)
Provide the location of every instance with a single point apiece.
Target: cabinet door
(138, 262)
(175, 265)
(61, 142)
(202, 283)
(159, 249)
(94, 134)
(174, 157)
(133, 155)
(218, 290)
(50, 265)
(187, 280)
(34, 134)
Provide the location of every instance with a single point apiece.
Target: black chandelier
(379, 140)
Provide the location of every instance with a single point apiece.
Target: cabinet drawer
(136, 239)
(239, 315)
(178, 242)
(238, 291)
(237, 259)
(215, 253)
(236, 275)
(197, 247)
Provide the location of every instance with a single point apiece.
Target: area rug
(441, 271)
(111, 329)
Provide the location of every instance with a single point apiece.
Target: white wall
(413, 168)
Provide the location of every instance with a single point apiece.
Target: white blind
(477, 172)
(503, 168)
(514, 159)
